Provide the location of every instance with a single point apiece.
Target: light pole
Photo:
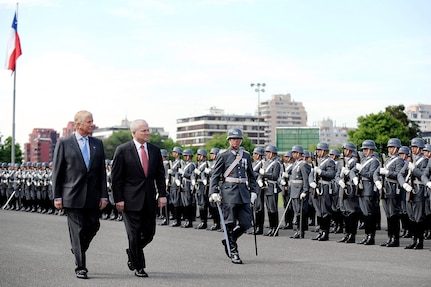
(258, 90)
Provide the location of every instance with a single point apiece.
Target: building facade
(421, 114)
(287, 137)
(40, 147)
(281, 111)
(197, 130)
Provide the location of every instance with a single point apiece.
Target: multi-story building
(287, 137)
(197, 130)
(103, 133)
(40, 147)
(421, 114)
(331, 134)
(281, 111)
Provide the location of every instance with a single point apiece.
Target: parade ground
(35, 251)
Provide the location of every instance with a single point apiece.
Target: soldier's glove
(197, 171)
(215, 197)
(384, 171)
(429, 184)
(177, 182)
(313, 185)
(253, 197)
(378, 184)
(411, 166)
(355, 180)
(205, 181)
(303, 196)
(181, 171)
(283, 182)
(341, 183)
(261, 171)
(345, 170)
(285, 174)
(358, 167)
(260, 183)
(169, 171)
(407, 187)
(318, 170)
(207, 170)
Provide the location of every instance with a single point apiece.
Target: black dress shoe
(324, 237)
(235, 259)
(223, 241)
(129, 260)
(394, 243)
(318, 236)
(141, 273)
(351, 239)
(344, 239)
(385, 244)
(214, 227)
(187, 224)
(363, 240)
(164, 222)
(419, 245)
(175, 224)
(202, 225)
(297, 235)
(81, 274)
(270, 232)
(411, 245)
(370, 241)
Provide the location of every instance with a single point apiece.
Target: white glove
(407, 187)
(318, 170)
(169, 171)
(261, 171)
(197, 171)
(313, 184)
(193, 182)
(411, 166)
(303, 195)
(378, 184)
(205, 181)
(215, 197)
(429, 184)
(341, 183)
(253, 197)
(283, 182)
(358, 167)
(177, 182)
(285, 174)
(345, 170)
(260, 183)
(207, 170)
(355, 180)
(181, 171)
(384, 171)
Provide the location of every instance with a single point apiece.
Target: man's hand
(407, 187)
(215, 197)
(303, 196)
(103, 203)
(58, 203)
(341, 183)
(120, 206)
(378, 184)
(313, 185)
(253, 197)
(162, 201)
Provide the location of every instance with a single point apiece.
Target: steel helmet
(271, 148)
(349, 146)
(394, 142)
(201, 151)
(298, 148)
(215, 150)
(234, 133)
(288, 154)
(306, 153)
(335, 152)
(177, 149)
(404, 150)
(322, 146)
(419, 142)
(164, 152)
(259, 151)
(369, 144)
(188, 152)
(427, 147)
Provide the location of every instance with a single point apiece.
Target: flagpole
(12, 156)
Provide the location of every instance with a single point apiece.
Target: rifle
(382, 164)
(358, 190)
(316, 175)
(346, 179)
(409, 177)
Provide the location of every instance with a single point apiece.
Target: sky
(162, 60)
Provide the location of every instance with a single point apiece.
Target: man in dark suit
(79, 185)
(138, 178)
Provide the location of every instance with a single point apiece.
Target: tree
(6, 151)
(398, 113)
(220, 142)
(380, 128)
(111, 143)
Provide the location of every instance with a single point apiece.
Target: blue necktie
(85, 154)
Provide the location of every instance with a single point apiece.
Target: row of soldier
(339, 189)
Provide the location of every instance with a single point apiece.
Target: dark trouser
(140, 228)
(233, 233)
(351, 223)
(83, 225)
(394, 226)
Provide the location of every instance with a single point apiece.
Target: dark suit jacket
(130, 184)
(71, 181)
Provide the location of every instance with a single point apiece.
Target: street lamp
(258, 90)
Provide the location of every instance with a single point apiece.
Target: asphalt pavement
(35, 251)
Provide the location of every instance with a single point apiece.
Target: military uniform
(200, 181)
(175, 191)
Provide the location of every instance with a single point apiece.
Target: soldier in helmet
(415, 187)
(200, 182)
(175, 191)
(164, 212)
(234, 168)
(271, 172)
(337, 216)
(187, 199)
(404, 153)
(347, 179)
(390, 194)
(288, 162)
(320, 181)
(427, 235)
(368, 196)
(212, 206)
(259, 209)
(299, 188)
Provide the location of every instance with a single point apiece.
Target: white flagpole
(12, 156)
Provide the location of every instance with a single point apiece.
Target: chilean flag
(13, 47)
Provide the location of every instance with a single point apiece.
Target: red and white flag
(13, 47)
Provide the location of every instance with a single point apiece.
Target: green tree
(220, 142)
(398, 113)
(111, 143)
(380, 128)
(6, 151)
